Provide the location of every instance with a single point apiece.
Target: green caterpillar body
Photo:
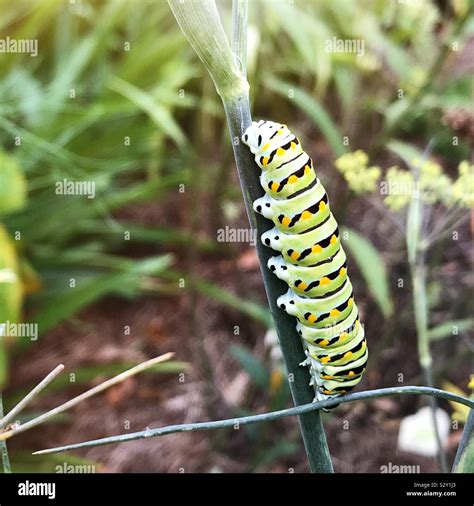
(312, 261)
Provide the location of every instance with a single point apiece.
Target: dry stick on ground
(265, 417)
(201, 24)
(18, 408)
(28, 398)
(89, 393)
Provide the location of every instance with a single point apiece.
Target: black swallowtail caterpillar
(312, 260)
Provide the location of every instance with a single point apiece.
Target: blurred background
(145, 262)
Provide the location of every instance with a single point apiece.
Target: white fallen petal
(417, 433)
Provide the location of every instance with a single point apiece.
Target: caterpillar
(311, 261)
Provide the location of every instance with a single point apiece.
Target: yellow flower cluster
(433, 186)
(360, 178)
(399, 186)
(463, 188)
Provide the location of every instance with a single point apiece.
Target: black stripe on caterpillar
(312, 261)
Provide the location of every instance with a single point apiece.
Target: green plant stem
(265, 417)
(239, 33)
(418, 273)
(3, 446)
(466, 437)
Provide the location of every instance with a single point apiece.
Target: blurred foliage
(372, 268)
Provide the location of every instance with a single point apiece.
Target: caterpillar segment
(311, 261)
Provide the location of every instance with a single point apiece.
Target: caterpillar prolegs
(312, 260)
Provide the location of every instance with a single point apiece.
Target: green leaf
(275, 453)
(405, 151)
(373, 270)
(160, 115)
(90, 286)
(11, 292)
(314, 110)
(254, 367)
(245, 306)
(450, 328)
(12, 184)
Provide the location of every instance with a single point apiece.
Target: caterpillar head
(278, 266)
(286, 302)
(258, 134)
(272, 239)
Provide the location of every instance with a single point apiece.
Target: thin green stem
(418, 274)
(200, 22)
(265, 417)
(239, 33)
(7, 468)
(465, 440)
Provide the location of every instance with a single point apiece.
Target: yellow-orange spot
(322, 206)
(280, 132)
(326, 377)
(325, 359)
(325, 281)
(311, 318)
(295, 255)
(343, 336)
(307, 170)
(351, 373)
(342, 271)
(265, 160)
(280, 151)
(306, 215)
(293, 145)
(293, 179)
(327, 392)
(333, 239)
(334, 312)
(302, 286)
(316, 248)
(286, 221)
(275, 187)
(348, 354)
(264, 148)
(350, 302)
(324, 342)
